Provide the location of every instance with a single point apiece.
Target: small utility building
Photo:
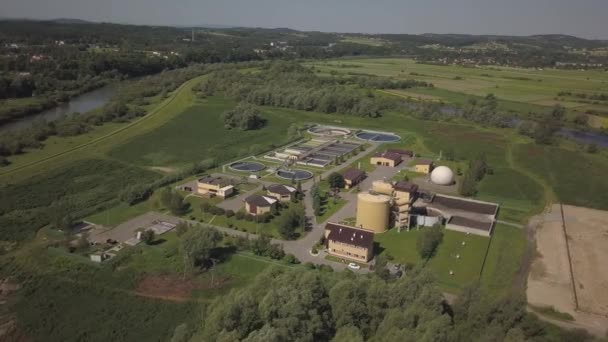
(259, 204)
(386, 159)
(352, 177)
(424, 166)
(348, 242)
(281, 192)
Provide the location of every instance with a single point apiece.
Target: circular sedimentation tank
(329, 131)
(295, 174)
(377, 137)
(373, 211)
(247, 166)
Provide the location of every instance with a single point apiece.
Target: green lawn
(402, 246)
(504, 259)
(467, 269)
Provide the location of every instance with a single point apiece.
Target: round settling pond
(247, 166)
(296, 174)
(329, 131)
(378, 137)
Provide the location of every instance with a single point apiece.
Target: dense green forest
(288, 305)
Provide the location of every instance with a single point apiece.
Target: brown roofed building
(282, 192)
(352, 177)
(259, 204)
(424, 166)
(403, 153)
(386, 159)
(214, 186)
(348, 242)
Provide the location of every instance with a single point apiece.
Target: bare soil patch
(587, 231)
(549, 281)
(173, 287)
(167, 286)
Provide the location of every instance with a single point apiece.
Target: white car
(354, 266)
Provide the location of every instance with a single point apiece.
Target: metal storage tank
(373, 212)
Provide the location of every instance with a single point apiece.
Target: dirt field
(549, 281)
(587, 231)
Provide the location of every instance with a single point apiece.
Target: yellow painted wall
(342, 250)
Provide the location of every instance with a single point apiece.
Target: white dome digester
(442, 175)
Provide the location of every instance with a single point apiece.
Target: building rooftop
(465, 204)
(407, 153)
(424, 162)
(281, 189)
(470, 223)
(350, 235)
(213, 180)
(260, 200)
(405, 186)
(353, 174)
(388, 155)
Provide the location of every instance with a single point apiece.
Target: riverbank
(13, 111)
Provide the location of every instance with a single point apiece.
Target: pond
(81, 104)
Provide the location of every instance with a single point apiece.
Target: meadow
(198, 133)
(523, 90)
(78, 188)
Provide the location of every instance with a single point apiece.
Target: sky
(583, 18)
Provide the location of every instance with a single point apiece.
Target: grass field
(503, 260)
(198, 133)
(518, 90)
(576, 177)
(517, 194)
(467, 268)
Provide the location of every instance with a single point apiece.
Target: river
(81, 104)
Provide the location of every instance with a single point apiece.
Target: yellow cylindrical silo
(373, 212)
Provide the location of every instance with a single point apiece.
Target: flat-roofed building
(259, 204)
(349, 242)
(214, 186)
(470, 226)
(352, 177)
(281, 192)
(386, 159)
(424, 166)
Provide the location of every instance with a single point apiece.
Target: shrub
(291, 259)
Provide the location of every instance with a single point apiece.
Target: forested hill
(238, 43)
